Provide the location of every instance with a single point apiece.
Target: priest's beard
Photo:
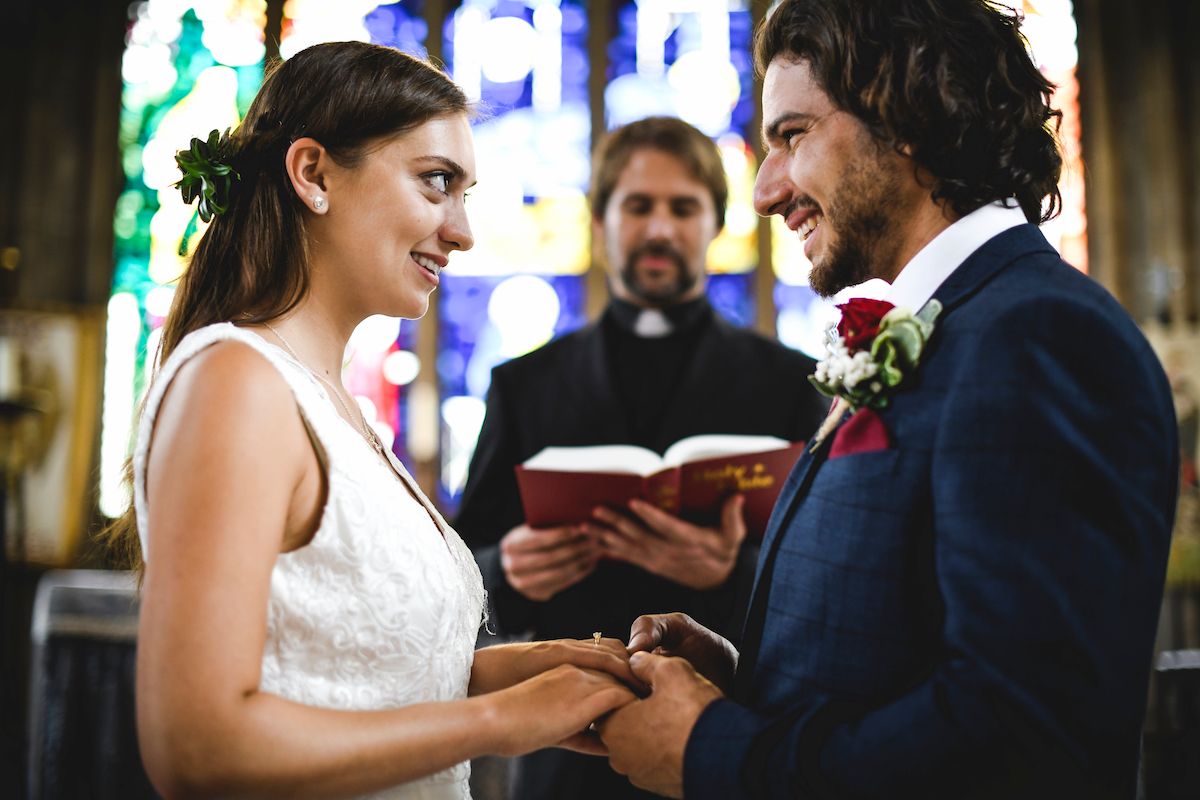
(863, 214)
(658, 294)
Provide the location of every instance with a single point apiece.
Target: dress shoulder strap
(302, 384)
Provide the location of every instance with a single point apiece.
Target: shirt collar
(649, 323)
(936, 261)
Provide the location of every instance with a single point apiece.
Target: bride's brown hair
(252, 262)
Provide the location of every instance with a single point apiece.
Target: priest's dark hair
(669, 135)
(948, 82)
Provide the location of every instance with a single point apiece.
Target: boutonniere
(870, 354)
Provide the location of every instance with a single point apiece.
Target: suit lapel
(984, 263)
(793, 492)
(790, 496)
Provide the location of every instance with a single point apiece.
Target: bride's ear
(306, 163)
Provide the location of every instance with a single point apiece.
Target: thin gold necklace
(367, 431)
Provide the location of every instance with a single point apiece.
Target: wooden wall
(60, 90)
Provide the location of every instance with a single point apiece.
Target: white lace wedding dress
(382, 607)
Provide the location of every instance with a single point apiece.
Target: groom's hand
(690, 555)
(678, 634)
(646, 738)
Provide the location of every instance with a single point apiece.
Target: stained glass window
(187, 68)
(194, 65)
(691, 59)
(1050, 28)
(526, 64)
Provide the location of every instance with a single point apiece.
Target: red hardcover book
(561, 485)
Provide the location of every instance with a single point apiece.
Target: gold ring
(596, 637)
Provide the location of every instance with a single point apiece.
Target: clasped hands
(685, 667)
(678, 667)
(541, 562)
(642, 700)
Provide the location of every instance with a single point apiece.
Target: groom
(957, 594)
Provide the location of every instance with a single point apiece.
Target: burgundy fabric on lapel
(862, 433)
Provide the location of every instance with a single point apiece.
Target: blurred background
(96, 97)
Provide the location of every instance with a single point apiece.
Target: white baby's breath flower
(859, 367)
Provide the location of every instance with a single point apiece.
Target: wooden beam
(273, 31)
(425, 395)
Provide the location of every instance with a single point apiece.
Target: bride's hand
(501, 666)
(555, 707)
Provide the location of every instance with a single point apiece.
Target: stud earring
(318, 203)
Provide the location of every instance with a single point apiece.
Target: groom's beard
(866, 227)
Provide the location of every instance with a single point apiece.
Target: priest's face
(656, 230)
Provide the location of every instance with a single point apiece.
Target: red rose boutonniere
(860, 321)
(874, 348)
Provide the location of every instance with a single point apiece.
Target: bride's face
(395, 217)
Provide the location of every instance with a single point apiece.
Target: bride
(308, 618)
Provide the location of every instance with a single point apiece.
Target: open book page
(616, 458)
(715, 445)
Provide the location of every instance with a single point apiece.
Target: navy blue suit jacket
(969, 612)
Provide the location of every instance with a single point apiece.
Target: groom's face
(842, 191)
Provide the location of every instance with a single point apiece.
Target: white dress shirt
(936, 261)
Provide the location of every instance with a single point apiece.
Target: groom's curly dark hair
(948, 82)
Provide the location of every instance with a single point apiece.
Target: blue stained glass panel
(732, 296)
(692, 61)
(802, 319)
(522, 283)
(469, 337)
(400, 25)
(182, 77)
(483, 321)
(694, 64)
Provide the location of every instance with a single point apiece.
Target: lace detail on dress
(381, 609)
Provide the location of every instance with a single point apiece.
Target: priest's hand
(541, 562)
(658, 542)
(646, 739)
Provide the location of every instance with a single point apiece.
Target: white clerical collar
(936, 261)
(652, 324)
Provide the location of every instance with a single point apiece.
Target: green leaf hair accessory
(208, 174)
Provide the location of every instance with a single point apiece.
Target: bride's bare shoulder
(229, 388)
(230, 364)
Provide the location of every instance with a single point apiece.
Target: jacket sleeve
(491, 507)
(1053, 481)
